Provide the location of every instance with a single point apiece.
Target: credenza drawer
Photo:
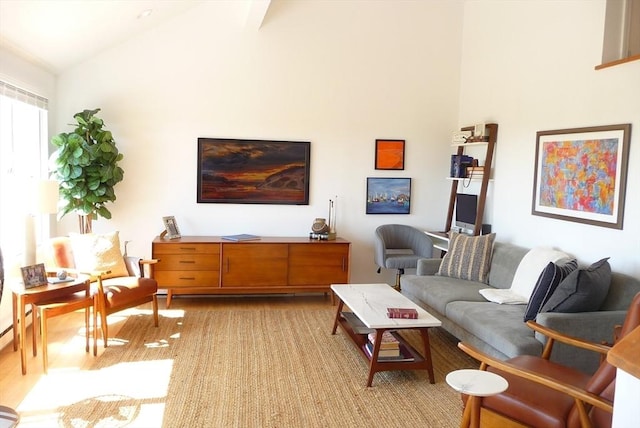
(188, 262)
(185, 248)
(187, 278)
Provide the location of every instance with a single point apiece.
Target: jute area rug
(258, 365)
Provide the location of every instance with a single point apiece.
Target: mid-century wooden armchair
(542, 393)
(118, 281)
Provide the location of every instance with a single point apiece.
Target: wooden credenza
(212, 265)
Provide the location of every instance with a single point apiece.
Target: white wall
(529, 65)
(338, 74)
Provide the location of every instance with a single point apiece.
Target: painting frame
(34, 276)
(580, 174)
(245, 171)
(388, 195)
(389, 154)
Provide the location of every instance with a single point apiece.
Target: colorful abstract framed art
(581, 174)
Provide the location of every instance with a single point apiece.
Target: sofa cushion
(500, 326)
(438, 291)
(504, 263)
(468, 257)
(547, 283)
(99, 252)
(583, 290)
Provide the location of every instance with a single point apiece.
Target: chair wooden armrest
(580, 395)
(554, 335)
(148, 261)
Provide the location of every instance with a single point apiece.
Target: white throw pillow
(525, 278)
(98, 252)
(502, 296)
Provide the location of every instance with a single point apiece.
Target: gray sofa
(500, 330)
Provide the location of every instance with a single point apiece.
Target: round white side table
(476, 384)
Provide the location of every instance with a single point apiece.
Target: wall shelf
(491, 130)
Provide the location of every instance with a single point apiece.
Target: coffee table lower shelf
(358, 333)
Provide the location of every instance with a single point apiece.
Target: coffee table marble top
(370, 302)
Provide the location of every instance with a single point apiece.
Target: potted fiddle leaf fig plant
(85, 164)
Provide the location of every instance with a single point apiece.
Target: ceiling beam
(256, 13)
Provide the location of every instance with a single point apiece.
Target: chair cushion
(98, 252)
(120, 292)
(468, 257)
(547, 283)
(525, 401)
(583, 290)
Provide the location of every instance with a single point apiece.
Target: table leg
(424, 332)
(14, 301)
(34, 329)
(474, 403)
(373, 363)
(23, 332)
(337, 319)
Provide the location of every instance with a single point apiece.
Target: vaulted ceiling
(57, 34)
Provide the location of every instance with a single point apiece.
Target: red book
(408, 313)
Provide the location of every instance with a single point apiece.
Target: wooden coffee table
(369, 303)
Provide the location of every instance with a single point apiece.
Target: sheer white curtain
(23, 157)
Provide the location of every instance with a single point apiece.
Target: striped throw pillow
(468, 257)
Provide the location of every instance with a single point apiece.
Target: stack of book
(475, 171)
(408, 313)
(390, 348)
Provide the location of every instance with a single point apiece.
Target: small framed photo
(389, 154)
(171, 227)
(34, 276)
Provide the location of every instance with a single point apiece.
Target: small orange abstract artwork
(389, 154)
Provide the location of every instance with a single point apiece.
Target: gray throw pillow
(468, 257)
(583, 290)
(547, 283)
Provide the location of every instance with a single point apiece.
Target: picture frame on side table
(581, 174)
(390, 154)
(388, 195)
(34, 275)
(171, 228)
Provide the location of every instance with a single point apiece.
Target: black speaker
(486, 229)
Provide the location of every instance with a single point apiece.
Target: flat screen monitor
(466, 210)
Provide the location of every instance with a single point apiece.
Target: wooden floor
(67, 340)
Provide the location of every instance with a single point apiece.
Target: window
(23, 156)
(621, 32)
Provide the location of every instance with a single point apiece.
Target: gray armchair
(399, 247)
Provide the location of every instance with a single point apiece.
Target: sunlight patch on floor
(138, 389)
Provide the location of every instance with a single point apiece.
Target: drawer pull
(187, 261)
(188, 248)
(190, 278)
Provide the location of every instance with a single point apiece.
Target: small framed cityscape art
(388, 195)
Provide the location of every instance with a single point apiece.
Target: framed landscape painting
(581, 174)
(388, 195)
(253, 171)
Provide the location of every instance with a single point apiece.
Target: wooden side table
(45, 293)
(476, 384)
